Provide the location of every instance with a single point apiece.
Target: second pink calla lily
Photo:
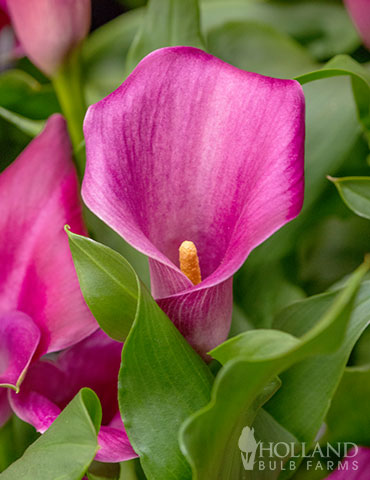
(192, 149)
(41, 306)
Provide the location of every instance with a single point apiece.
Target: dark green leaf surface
(162, 381)
(355, 192)
(166, 23)
(256, 356)
(67, 448)
(348, 419)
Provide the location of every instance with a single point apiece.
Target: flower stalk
(68, 86)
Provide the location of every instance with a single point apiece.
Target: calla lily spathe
(190, 148)
(41, 306)
(50, 29)
(51, 384)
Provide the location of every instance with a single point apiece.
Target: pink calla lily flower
(50, 29)
(355, 467)
(359, 11)
(192, 149)
(41, 306)
(51, 384)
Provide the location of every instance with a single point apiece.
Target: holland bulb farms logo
(257, 455)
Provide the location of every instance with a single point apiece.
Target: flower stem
(69, 89)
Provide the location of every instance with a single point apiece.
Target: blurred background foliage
(279, 38)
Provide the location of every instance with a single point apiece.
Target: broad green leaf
(323, 27)
(348, 419)
(166, 23)
(162, 381)
(248, 44)
(108, 284)
(66, 449)
(355, 192)
(308, 387)
(26, 125)
(251, 360)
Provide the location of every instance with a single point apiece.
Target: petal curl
(37, 402)
(51, 384)
(191, 148)
(38, 196)
(114, 446)
(19, 338)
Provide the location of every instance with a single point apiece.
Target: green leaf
(348, 419)
(251, 360)
(259, 48)
(67, 448)
(24, 95)
(162, 381)
(15, 85)
(108, 283)
(345, 65)
(166, 23)
(355, 192)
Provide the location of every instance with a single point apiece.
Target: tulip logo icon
(248, 446)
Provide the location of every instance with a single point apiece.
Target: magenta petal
(356, 466)
(38, 196)
(51, 384)
(36, 403)
(19, 338)
(191, 148)
(360, 13)
(114, 446)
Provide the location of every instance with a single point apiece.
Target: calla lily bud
(359, 11)
(50, 30)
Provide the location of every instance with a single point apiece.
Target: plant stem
(69, 89)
